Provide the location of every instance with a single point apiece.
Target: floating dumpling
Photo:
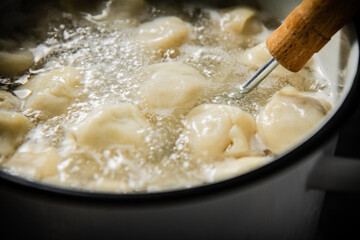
(34, 160)
(289, 117)
(13, 127)
(255, 57)
(163, 33)
(8, 101)
(52, 92)
(215, 129)
(112, 124)
(172, 87)
(241, 21)
(13, 63)
(233, 167)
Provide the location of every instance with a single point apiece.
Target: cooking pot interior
(338, 60)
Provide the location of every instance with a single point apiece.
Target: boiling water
(112, 64)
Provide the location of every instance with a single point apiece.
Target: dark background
(340, 216)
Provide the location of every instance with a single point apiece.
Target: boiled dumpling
(256, 57)
(215, 129)
(289, 117)
(34, 161)
(13, 63)
(104, 10)
(163, 33)
(232, 167)
(109, 185)
(8, 44)
(122, 9)
(172, 87)
(241, 21)
(53, 92)
(8, 101)
(13, 127)
(79, 7)
(112, 124)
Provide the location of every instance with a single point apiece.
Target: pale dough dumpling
(34, 160)
(163, 33)
(215, 129)
(13, 127)
(289, 117)
(52, 92)
(79, 7)
(104, 10)
(172, 86)
(8, 101)
(240, 21)
(123, 9)
(257, 56)
(232, 167)
(13, 63)
(112, 124)
(109, 185)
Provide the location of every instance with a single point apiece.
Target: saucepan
(280, 200)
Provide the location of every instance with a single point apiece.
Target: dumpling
(241, 20)
(53, 92)
(8, 44)
(124, 8)
(289, 117)
(163, 33)
(109, 185)
(34, 161)
(232, 167)
(109, 9)
(13, 63)
(215, 129)
(8, 101)
(112, 124)
(172, 86)
(13, 127)
(77, 7)
(256, 57)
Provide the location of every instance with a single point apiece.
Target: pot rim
(247, 179)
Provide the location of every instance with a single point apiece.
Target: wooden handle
(307, 29)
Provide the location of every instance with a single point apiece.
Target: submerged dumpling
(232, 167)
(172, 87)
(112, 124)
(241, 21)
(124, 8)
(13, 63)
(219, 129)
(8, 101)
(78, 7)
(289, 117)
(34, 161)
(103, 10)
(163, 33)
(52, 92)
(13, 127)
(109, 185)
